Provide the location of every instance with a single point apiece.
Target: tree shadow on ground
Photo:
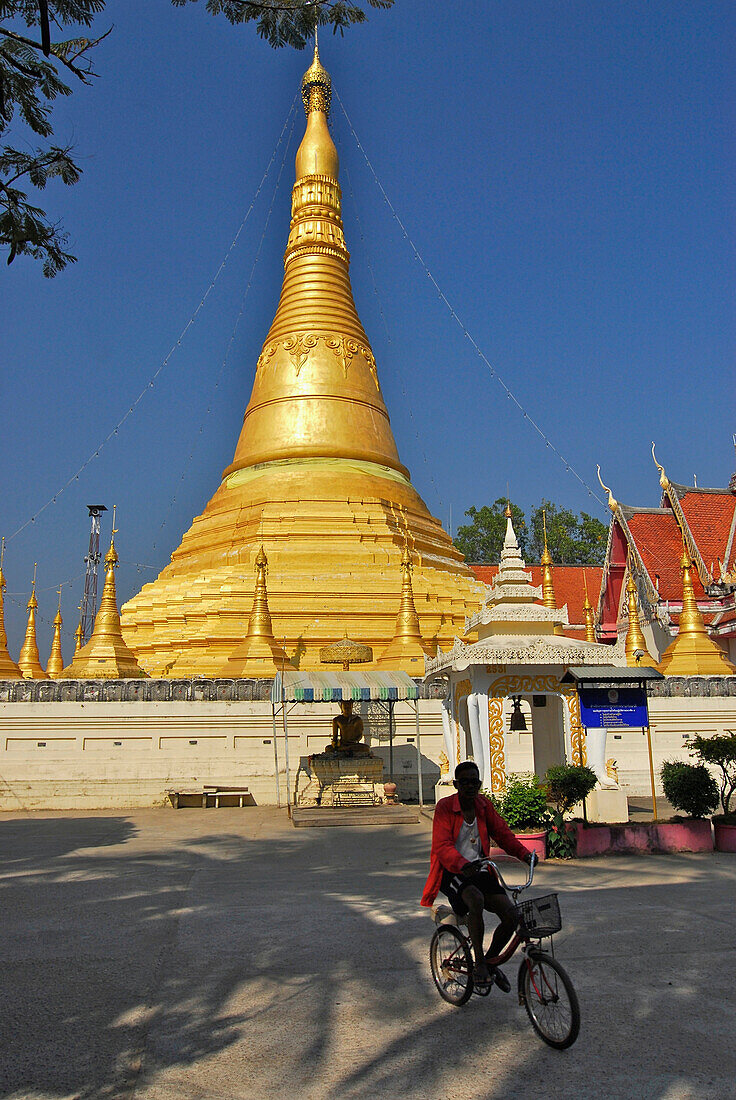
(227, 965)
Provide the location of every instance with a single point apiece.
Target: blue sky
(566, 171)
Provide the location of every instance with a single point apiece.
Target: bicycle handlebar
(513, 889)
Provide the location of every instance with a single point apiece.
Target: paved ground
(224, 954)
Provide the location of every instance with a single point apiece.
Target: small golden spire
(55, 664)
(507, 512)
(635, 640)
(106, 655)
(548, 587)
(8, 668)
(29, 661)
(589, 614)
(259, 655)
(693, 652)
(406, 649)
(78, 638)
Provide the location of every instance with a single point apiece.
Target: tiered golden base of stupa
(334, 538)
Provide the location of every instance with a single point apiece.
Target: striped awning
(337, 687)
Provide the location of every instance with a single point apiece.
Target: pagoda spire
(548, 588)
(106, 655)
(259, 655)
(78, 638)
(29, 662)
(589, 614)
(693, 652)
(8, 668)
(316, 472)
(635, 640)
(406, 648)
(55, 665)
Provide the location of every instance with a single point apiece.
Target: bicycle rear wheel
(452, 965)
(550, 1000)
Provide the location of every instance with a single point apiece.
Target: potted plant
(523, 806)
(720, 752)
(567, 785)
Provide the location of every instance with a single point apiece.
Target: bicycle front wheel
(550, 1000)
(452, 965)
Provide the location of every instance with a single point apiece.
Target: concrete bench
(207, 795)
(225, 792)
(177, 795)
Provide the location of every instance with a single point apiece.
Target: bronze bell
(518, 720)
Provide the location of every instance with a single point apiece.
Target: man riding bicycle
(464, 824)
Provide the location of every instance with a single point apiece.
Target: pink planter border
(695, 835)
(533, 842)
(725, 836)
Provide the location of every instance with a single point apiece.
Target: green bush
(689, 787)
(568, 784)
(523, 804)
(561, 844)
(720, 751)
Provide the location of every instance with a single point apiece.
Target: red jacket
(448, 819)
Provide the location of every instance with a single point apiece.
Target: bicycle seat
(444, 914)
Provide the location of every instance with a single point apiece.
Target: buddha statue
(347, 732)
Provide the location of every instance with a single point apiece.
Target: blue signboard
(614, 708)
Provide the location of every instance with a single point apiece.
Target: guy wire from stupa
(316, 480)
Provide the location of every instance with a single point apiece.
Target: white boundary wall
(111, 755)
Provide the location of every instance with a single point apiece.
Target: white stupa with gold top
(316, 478)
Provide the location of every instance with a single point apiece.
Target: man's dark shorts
(452, 887)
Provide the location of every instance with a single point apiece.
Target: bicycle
(544, 987)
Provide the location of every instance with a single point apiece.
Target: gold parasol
(346, 652)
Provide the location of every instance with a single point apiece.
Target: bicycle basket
(539, 916)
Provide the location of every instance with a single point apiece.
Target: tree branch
(82, 74)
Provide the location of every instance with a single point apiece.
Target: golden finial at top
(507, 511)
(612, 502)
(546, 558)
(2, 558)
(663, 479)
(33, 602)
(111, 557)
(316, 85)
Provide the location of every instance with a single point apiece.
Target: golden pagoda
(259, 654)
(29, 661)
(590, 635)
(105, 656)
(406, 650)
(635, 640)
(55, 664)
(316, 477)
(693, 652)
(548, 588)
(8, 668)
(78, 638)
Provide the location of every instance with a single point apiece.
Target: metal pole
(391, 740)
(276, 757)
(651, 771)
(419, 756)
(286, 750)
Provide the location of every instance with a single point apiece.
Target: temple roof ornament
(259, 654)
(55, 665)
(635, 640)
(548, 587)
(668, 490)
(106, 655)
(524, 650)
(8, 668)
(29, 661)
(406, 647)
(78, 634)
(693, 652)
